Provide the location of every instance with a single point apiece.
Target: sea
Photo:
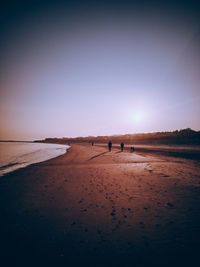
(15, 155)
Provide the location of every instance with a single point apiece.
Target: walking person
(122, 146)
(109, 145)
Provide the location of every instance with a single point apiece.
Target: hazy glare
(99, 72)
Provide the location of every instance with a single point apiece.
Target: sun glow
(138, 117)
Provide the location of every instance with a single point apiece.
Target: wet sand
(101, 208)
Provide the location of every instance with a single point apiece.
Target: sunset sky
(98, 68)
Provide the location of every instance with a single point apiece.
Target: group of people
(110, 146)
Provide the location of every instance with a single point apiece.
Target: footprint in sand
(98, 231)
(141, 224)
(158, 216)
(117, 226)
(83, 210)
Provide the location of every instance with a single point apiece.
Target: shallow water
(15, 155)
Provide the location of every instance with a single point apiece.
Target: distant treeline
(178, 137)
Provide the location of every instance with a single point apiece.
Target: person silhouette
(132, 149)
(122, 146)
(109, 145)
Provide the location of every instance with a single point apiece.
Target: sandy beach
(101, 208)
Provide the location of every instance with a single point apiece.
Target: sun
(138, 117)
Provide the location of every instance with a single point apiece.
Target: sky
(90, 68)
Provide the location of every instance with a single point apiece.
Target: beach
(91, 207)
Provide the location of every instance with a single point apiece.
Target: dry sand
(101, 208)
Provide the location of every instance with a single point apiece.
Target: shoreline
(101, 208)
(23, 165)
(14, 172)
